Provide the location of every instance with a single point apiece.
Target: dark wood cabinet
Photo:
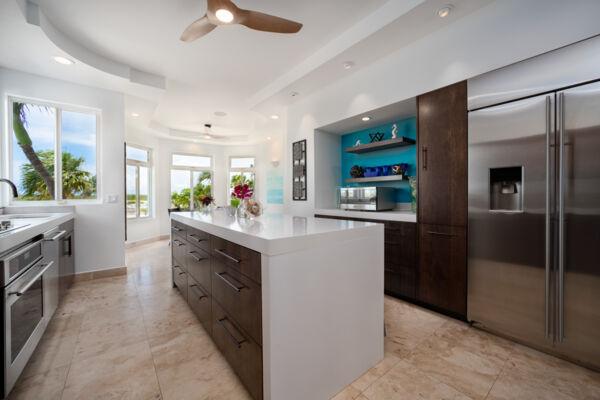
(442, 146)
(442, 272)
(221, 282)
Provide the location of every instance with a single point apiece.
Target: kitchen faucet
(12, 185)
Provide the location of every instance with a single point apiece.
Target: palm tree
(76, 183)
(24, 141)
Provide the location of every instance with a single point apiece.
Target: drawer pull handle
(195, 257)
(176, 229)
(228, 282)
(196, 238)
(440, 234)
(233, 339)
(221, 252)
(198, 296)
(178, 243)
(177, 267)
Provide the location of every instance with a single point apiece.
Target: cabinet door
(443, 268)
(442, 138)
(400, 259)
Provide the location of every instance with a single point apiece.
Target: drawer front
(200, 303)
(240, 258)
(178, 229)
(198, 266)
(242, 353)
(179, 248)
(180, 280)
(198, 238)
(239, 296)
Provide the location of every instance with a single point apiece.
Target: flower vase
(241, 211)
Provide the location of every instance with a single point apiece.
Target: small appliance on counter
(368, 198)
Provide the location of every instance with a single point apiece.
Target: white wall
(99, 228)
(497, 35)
(162, 149)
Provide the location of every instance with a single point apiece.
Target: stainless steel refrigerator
(534, 202)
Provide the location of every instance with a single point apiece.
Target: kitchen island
(295, 304)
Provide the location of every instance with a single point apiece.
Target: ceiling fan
(224, 12)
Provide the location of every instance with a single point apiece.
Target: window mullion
(137, 191)
(58, 156)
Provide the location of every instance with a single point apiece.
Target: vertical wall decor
(299, 170)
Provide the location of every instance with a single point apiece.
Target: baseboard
(99, 274)
(129, 245)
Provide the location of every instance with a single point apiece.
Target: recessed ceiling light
(444, 11)
(294, 94)
(268, 137)
(224, 15)
(366, 118)
(274, 116)
(63, 60)
(135, 115)
(220, 113)
(348, 65)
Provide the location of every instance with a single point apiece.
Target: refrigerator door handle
(561, 214)
(547, 217)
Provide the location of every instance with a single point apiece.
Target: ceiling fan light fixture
(207, 136)
(224, 15)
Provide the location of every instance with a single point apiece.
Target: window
(191, 179)
(138, 181)
(47, 138)
(241, 171)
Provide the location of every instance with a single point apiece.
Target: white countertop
(36, 224)
(273, 234)
(402, 216)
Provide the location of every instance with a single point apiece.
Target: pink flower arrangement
(242, 192)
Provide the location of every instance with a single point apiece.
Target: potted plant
(239, 193)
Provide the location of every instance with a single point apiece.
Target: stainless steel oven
(368, 198)
(24, 311)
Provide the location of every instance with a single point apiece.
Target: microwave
(368, 198)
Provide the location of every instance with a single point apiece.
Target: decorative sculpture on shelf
(400, 169)
(357, 143)
(357, 172)
(394, 131)
(376, 137)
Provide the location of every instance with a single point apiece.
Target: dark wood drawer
(242, 353)
(198, 238)
(237, 257)
(402, 282)
(200, 302)
(178, 229)
(180, 280)
(179, 248)
(198, 266)
(239, 296)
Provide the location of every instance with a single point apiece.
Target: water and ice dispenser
(506, 189)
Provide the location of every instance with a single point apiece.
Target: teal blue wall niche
(407, 154)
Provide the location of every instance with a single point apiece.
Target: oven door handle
(21, 291)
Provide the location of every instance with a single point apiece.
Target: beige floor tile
(466, 359)
(162, 321)
(47, 386)
(177, 347)
(125, 373)
(404, 381)
(209, 378)
(376, 372)
(102, 338)
(64, 325)
(123, 312)
(52, 352)
(349, 393)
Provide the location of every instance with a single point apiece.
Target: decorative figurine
(394, 131)
(357, 172)
(357, 143)
(376, 137)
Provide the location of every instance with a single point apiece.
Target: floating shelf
(388, 178)
(381, 145)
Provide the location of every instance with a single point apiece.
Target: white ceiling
(248, 74)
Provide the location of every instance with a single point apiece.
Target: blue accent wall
(406, 154)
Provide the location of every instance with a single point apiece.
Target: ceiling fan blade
(267, 23)
(197, 29)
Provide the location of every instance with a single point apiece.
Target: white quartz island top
(32, 225)
(273, 234)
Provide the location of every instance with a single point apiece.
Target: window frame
(241, 171)
(58, 106)
(191, 170)
(137, 164)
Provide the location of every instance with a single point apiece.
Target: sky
(78, 137)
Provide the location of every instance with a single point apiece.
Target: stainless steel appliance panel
(367, 198)
(507, 259)
(51, 249)
(579, 231)
(570, 65)
(19, 260)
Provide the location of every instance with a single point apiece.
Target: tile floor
(133, 337)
